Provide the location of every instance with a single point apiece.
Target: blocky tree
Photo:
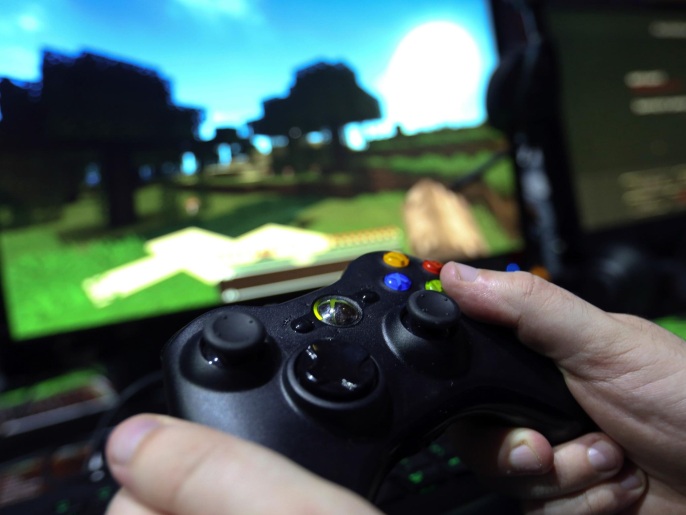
(117, 109)
(324, 97)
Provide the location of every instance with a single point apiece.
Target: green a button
(434, 285)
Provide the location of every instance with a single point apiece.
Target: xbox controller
(347, 379)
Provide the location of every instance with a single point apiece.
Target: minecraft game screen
(160, 157)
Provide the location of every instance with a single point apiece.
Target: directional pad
(336, 371)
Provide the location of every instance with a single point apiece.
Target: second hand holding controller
(347, 379)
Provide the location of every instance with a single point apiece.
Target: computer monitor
(623, 92)
(606, 124)
(317, 132)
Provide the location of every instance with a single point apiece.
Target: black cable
(95, 464)
(478, 173)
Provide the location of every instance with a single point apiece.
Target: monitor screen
(157, 160)
(623, 109)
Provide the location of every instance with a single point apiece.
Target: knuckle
(534, 293)
(601, 500)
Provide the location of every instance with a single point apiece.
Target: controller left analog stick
(234, 336)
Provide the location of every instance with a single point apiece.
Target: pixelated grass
(46, 264)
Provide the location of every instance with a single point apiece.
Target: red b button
(433, 267)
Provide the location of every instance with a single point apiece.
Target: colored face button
(397, 281)
(396, 259)
(433, 267)
(434, 285)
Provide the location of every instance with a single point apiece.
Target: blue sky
(226, 56)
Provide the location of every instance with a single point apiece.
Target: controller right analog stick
(425, 334)
(431, 311)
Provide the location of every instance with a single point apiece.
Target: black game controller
(349, 378)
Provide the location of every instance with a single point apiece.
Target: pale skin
(628, 374)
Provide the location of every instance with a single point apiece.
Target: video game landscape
(112, 208)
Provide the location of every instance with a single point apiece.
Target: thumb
(177, 467)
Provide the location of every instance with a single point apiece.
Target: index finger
(547, 318)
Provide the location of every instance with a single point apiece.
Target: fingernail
(466, 272)
(524, 460)
(632, 481)
(603, 456)
(125, 439)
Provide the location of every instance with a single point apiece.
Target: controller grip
(512, 383)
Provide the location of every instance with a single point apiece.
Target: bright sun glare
(433, 76)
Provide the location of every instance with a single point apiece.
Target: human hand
(628, 374)
(170, 466)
